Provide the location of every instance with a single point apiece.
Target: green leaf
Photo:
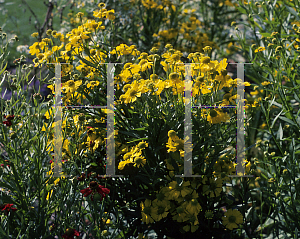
(296, 97)
(287, 120)
(242, 10)
(3, 71)
(293, 12)
(265, 34)
(139, 129)
(137, 140)
(276, 119)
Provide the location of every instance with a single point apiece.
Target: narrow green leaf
(296, 97)
(139, 129)
(293, 12)
(137, 140)
(287, 120)
(276, 119)
(3, 71)
(265, 34)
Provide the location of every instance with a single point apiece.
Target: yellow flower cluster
(259, 49)
(134, 157)
(95, 136)
(180, 200)
(123, 49)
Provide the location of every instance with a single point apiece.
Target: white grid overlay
(110, 143)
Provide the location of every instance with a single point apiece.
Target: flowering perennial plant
(149, 190)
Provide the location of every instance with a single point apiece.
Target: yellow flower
(265, 83)
(193, 206)
(147, 211)
(232, 219)
(122, 164)
(71, 86)
(260, 49)
(49, 194)
(139, 161)
(180, 214)
(160, 209)
(176, 190)
(142, 145)
(35, 34)
(110, 14)
(214, 188)
(216, 116)
(34, 49)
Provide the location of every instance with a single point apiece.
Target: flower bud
(101, 5)
(37, 96)
(93, 52)
(48, 32)
(80, 14)
(154, 50)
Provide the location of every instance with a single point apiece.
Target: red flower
(7, 123)
(6, 161)
(93, 188)
(2, 165)
(7, 208)
(70, 233)
(9, 119)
